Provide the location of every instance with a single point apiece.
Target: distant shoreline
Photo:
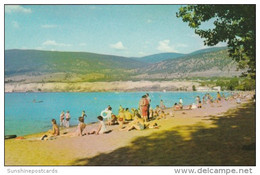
(116, 86)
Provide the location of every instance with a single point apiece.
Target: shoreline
(42, 131)
(115, 86)
(128, 91)
(184, 124)
(91, 123)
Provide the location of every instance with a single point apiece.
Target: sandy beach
(221, 134)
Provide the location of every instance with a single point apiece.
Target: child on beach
(62, 115)
(81, 127)
(67, 122)
(101, 128)
(113, 121)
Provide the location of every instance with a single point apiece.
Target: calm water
(23, 117)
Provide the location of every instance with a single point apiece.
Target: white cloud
(119, 46)
(15, 24)
(48, 26)
(17, 9)
(82, 44)
(54, 43)
(164, 46)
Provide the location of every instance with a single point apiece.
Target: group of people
(65, 119)
(139, 119)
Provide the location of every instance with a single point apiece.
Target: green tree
(234, 24)
(193, 87)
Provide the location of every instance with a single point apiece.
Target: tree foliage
(234, 24)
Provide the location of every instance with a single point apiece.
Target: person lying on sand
(176, 107)
(81, 127)
(162, 115)
(188, 107)
(101, 128)
(152, 125)
(157, 111)
(137, 123)
(52, 133)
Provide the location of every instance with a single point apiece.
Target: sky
(124, 30)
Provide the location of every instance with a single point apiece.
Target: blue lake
(23, 117)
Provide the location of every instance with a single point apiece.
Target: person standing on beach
(143, 105)
(83, 114)
(197, 100)
(67, 115)
(218, 97)
(62, 115)
(162, 106)
(149, 104)
(181, 101)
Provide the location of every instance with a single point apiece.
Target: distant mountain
(202, 63)
(35, 61)
(53, 66)
(159, 57)
(213, 49)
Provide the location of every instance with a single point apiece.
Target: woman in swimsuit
(101, 128)
(143, 104)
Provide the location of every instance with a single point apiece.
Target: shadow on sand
(231, 142)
